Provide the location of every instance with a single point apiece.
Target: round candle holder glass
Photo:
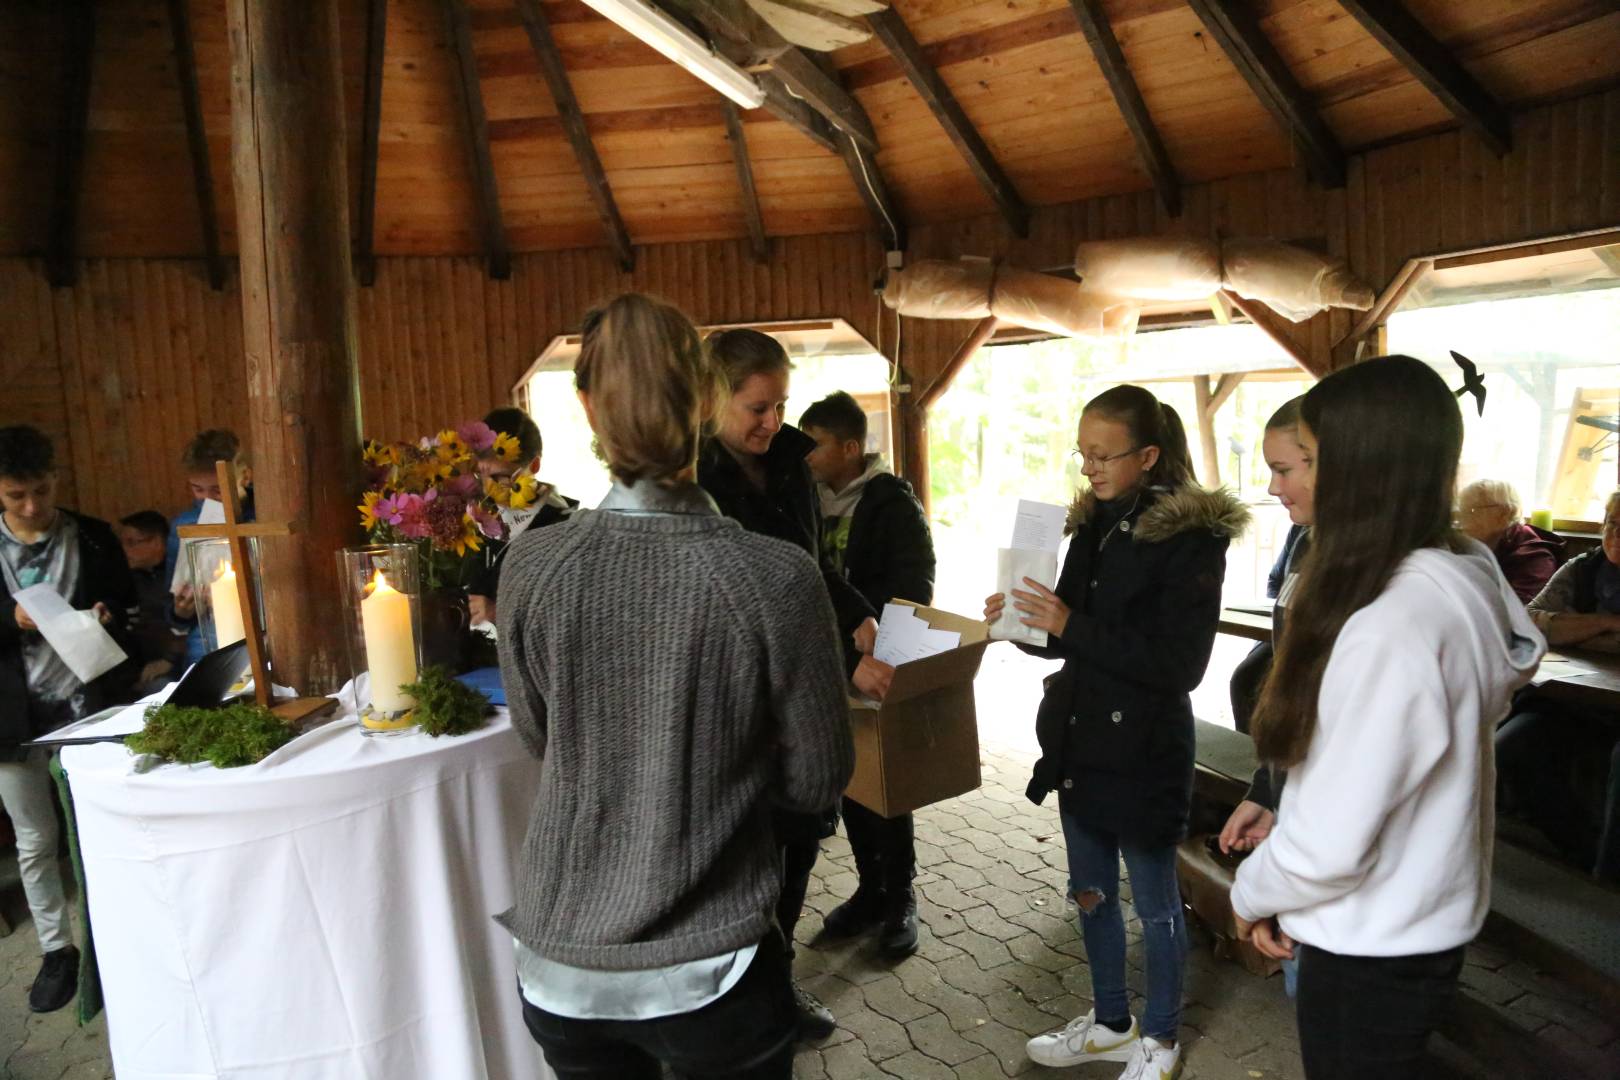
(381, 591)
(214, 588)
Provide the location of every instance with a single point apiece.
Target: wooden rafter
(802, 75)
(579, 137)
(874, 192)
(202, 174)
(1272, 326)
(1237, 30)
(745, 181)
(780, 103)
(73, 115)
(1433, 65)
(477, 131)
(365, 255)
(1111, 59)
(892, 31)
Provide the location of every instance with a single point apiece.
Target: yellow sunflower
(507, 448)
(380, 454)
(452, 447)
(525, 489)
(470, 539)
(367, 508)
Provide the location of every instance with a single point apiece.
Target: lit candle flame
(378, 583)
(221, 569)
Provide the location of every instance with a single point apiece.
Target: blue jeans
(1094, 868)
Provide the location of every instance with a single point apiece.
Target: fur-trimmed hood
(1171, 513)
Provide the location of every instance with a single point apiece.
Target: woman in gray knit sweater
(678, 677)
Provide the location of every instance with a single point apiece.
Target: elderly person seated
(1488, 510)
(1538, 749)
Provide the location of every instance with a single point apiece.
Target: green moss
(445, 706)
(227, 737)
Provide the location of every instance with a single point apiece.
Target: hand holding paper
(77, 636)
(1037, 532)
(1041, 608)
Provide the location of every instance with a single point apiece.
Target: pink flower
(387, 511)
(412, 510)
(490, 524)
(478, 435)
(464, 486)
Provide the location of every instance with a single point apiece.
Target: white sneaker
(1081, 1040)
(1152, 1060)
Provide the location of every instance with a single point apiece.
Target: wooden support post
(1206, 431)
(298, 321)
(365, 254)
(202, 172)
(913, 437)
(745, 181)
(72, 120)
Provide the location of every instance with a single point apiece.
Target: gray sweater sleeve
(808, 702)
(524, 701)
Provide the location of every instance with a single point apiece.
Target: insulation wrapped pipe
(977, 288)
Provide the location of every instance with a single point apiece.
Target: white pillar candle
(385, 616)
(227, 605)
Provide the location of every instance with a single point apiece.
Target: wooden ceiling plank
(1433, 65)
(579, 137)
(745, 180)
(73, 116)
(1236, 29)
(1111, 59)
(897, 38)
(476, 126)
(365, 253)
(873, 191)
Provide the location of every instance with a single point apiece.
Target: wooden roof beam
(892, 31)
(874, 192)
(797, 115)
(1149, 146)
(73, 116)
(573, 122)
(1233, 25)
(826, 94)
(1433, 65)
(365, 254)
(477, 132)
(745, 181)
(185, 65)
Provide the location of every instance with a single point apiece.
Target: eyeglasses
(1088, 461)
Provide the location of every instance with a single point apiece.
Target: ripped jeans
(1094, 869)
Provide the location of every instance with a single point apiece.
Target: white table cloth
(325, 914)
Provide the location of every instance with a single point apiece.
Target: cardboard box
(1206, 877)
(921, 745)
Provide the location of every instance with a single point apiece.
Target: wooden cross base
(297, 712)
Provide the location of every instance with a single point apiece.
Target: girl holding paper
(1133, 618)
(1402, 648)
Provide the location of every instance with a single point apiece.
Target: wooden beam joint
(477, 132)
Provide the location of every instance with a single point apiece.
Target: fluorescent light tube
(683, 47)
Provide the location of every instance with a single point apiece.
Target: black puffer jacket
(104, 578)
(788, 509)
(890, 554)
(1116, 724)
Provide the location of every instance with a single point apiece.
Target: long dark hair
(1151, 423)
(1388, 435)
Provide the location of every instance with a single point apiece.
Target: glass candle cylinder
(382, 597)
(216, 593)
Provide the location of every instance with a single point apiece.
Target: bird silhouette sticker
(1473, 381)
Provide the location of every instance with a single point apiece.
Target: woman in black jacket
(1133, 618)
(754, 468)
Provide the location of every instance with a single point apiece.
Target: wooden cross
(237, 533)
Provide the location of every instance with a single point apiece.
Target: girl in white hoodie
(1402, 648)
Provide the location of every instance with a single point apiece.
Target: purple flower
(490, 524)
(478, 435)
(464, 486)
(412, 510)
(388, 510)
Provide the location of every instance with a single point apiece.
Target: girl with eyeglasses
(1133, 618)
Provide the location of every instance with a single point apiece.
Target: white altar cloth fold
(323, 915)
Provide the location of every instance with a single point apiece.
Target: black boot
(815, 1019)
(57, 981)
(899, 937)
(858, 914)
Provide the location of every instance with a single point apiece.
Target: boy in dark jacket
(42, 544)
(875, 533)
(548, 507)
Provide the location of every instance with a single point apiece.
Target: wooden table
(1576, 677)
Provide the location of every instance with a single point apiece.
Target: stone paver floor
(1001, 960)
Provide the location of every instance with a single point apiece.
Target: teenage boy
(877, 535)
(80, 558)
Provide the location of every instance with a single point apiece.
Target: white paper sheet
(213, 513)
(1038, 526)
(77, 636)
(903, 637)
(1013, 565)
(109, 723)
